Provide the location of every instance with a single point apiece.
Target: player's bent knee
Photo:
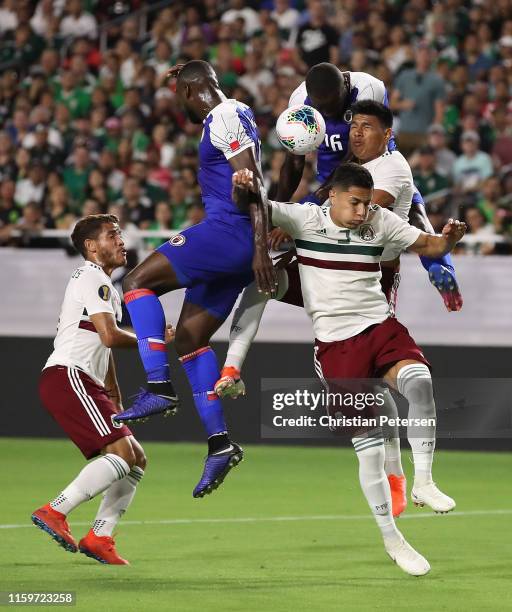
(140, 456)
(122, 448)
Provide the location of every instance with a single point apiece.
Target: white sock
(247, 318)
(393, 458)
(115, 502)
(93, 479)
(374, 483)
(415, 384)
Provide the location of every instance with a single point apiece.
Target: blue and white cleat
(146, 405)
(216, 468)
(445, 282)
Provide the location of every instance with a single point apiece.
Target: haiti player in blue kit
(333, 92)
(214, 260)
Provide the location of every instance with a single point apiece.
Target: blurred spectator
(426, 178)
(256, 78)
(317, 41)
(287, 19)
(419, 99)
(478, 227)
(76, 175)
(445, 158)
(195, 215)
(502, 147)
(9, 211)
(163, 221)
(8, 17)
(138, 206)
(473, 166)
(32, 188)
(77, 22)
(179, 203)
(240, 10)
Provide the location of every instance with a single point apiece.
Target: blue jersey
(229, 129)
(335, 146)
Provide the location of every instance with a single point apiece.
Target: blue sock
(203, 372)
(445, 260)
(148, 321)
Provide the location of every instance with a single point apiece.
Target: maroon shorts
(81, 407)
(369, 354)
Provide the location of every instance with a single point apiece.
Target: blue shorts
(213, 260)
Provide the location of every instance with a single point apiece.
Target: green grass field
(288, 530)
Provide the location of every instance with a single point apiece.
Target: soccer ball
(300, 129)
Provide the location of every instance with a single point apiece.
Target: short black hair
(88, 228)
(374, 109)
(323, 79)
(350, 174)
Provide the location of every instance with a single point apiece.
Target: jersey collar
(91, 264)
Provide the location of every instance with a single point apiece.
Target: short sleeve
(293, 218)
(299, 95)
(391, 177)
(398, 232)
(96, 294)
(374, 90)
(227, 132)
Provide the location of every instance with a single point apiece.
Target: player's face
(186, 99)
(368, 139)
(110, 246)
(349, 208)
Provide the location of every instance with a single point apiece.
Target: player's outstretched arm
(248, 192)
(112, 336)
(430, 245)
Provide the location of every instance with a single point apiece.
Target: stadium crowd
(88, 124)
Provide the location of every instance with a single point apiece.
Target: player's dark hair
(196, 70)
(322, 79)
(374, 109)
(349, 175)
(88, 228)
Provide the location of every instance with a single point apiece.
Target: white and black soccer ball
(300, 129)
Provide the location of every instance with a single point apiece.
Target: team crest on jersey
(104, 292)
(178, 240)
(367, 233)
(347, 117)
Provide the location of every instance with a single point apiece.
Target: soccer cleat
(101, 548)
(404, 555)
(430, 495)
(230, 384)
(398, 486)
(55, 525)
(444, 281)
(216, 468)
(146, 405)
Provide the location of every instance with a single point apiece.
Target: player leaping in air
(370, 134)
(339, 249)
(214, 260)
(79, 388)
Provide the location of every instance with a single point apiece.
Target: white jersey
(363, 86)
(78, 344)
(339, 267)
(392, 173)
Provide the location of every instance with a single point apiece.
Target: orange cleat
(398, 485)
(56, 526)
(230, 383)
(101, 548)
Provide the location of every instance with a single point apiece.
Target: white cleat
(404, 555)
(429, 495)
(230, 384)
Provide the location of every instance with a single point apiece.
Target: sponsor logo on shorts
(178, 240)
(367, 233)
(104, 292)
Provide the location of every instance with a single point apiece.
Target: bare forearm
(290, 176)
(111, 383)
(119, 338)
(433, 246)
